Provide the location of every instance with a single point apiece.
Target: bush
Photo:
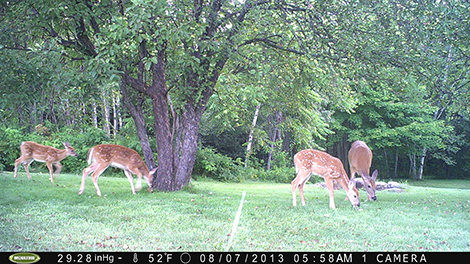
(211, 164)
(216, 166)
(10, 140)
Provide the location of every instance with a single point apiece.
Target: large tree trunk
(158, 92)
(186, 155)
(176, 151)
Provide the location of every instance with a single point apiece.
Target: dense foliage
(245, 84)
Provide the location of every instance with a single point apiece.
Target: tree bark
(158, 92)
(185, 159)
(165, 172)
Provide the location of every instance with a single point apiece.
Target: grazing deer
(102, 156)
(360, 160)
(311, 161)
(32, 151)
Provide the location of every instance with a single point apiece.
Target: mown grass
(36, 215)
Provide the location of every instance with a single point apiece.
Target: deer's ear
(374, 175)
(153, 171)
(352, 184)
(365, 177)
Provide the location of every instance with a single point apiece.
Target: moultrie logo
(24, 257)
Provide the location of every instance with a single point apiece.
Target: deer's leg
(86, 172)
(138, 186)
(331, 190)
(131, 180)
(49, 166)
(100, 169)
(353, 173)
(18, 161)
(299, 182)
(26, 164)
(301, 189)
(295, 184)
(58, 167)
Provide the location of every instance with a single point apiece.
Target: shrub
(10, 140)
(214, 165)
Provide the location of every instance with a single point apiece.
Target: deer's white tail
(90, 155)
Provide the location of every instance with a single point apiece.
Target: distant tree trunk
(385, 170)
(275, 135)
(396, 164)
(106, 115)
(250, 137)
(95, 114)
(118, 101)
(33, 113)
(413, 166)
(419, 176)
(340, 150)
(115, 115)
(68, 117)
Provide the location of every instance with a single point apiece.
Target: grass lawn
(36, 215)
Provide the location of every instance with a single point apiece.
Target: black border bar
(233, 257)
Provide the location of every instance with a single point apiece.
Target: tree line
(214, 86)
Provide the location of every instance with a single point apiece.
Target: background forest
(245, 83)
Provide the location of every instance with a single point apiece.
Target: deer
(360, 160)
(310, 162)
(32, 151)
(102, 156)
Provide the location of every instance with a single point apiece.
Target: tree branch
(135, 83)
(17, 48)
